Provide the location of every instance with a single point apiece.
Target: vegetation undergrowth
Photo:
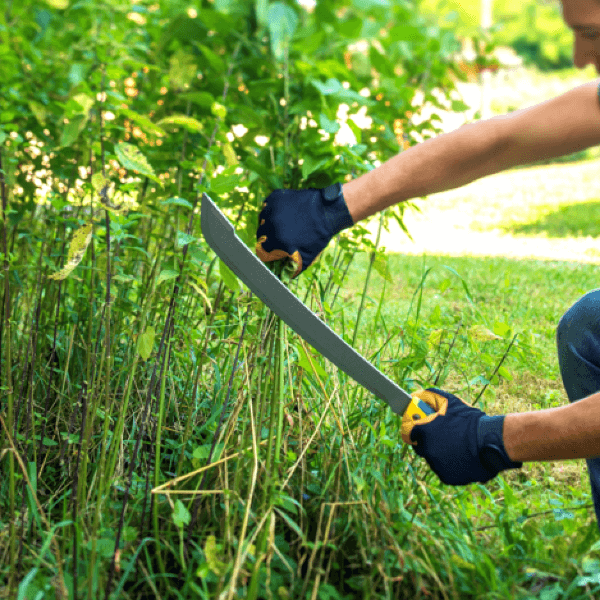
(161, 433)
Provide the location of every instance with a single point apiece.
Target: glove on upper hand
(460, 443)
(300, 223)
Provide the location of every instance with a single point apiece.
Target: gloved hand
(300, 223)
(460, 443)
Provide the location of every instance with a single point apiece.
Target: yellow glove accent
(415, 416)
(278, 255)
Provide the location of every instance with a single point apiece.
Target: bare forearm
(448, 161)
(559, 126)
(571, 431)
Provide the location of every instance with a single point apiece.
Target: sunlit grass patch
(543, 212)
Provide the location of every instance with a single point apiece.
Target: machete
(221, 237)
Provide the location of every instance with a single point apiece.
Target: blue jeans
(578, 342)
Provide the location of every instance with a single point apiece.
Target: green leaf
(203, 99)
(560, 514)
(312, 164)
(188, 123)
(178, 202)
(293, 525)
(305, 363)
(262, 12)
(131, 157)
(183, 239)
(145, 342)
(181, 515)
(228, 277)
(328, 125)
(331, 86)
(166, 275)
(502, 329)
(407, 33)
(144, 122)
(215, 62)
(203, 452)
(481, 333)
(225, 182)
(85, 102)
(71, 130)
(283, 21)
(504, 372)
(382, 267)
(39, 111)
(218, 110)
(79, 243)
(198, 255)
(58, 4)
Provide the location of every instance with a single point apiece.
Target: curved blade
(221, 237)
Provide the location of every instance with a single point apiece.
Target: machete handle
(417, 409)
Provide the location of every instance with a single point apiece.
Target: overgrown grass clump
(252, 468)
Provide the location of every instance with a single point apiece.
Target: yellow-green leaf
(435, 336)
(215, 564)
(144, 122)
(79, 243)
(99, 182)
(182, 121)
(59, 4)
(165, 275)
(182, 69)
(131, 157)
(145, 342)
(86, 102)
(482, 334)
(230, 155)
(381, 266)
(201, 293)
(39, 110)
(218, 110)
(459, 561)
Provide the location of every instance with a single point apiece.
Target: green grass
(540, 516)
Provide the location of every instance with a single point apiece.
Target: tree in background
(534, 28)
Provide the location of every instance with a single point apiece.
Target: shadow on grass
(570, 220)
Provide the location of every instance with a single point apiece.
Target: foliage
(534, 28)
(161, 434)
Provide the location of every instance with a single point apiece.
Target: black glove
(460, 443)
(300, 223)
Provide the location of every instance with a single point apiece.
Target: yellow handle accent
(417, 410)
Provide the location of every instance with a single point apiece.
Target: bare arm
(566, 432)
(559, 126)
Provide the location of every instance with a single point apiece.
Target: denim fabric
(578, 341)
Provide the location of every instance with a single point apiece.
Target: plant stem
(366, 286)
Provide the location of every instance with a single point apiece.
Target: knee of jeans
(582, 316)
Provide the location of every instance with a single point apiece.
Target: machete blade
(221, 237)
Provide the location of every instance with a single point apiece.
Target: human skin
(560, 126)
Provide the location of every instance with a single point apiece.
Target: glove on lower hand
(460, 443)
(300, 223)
